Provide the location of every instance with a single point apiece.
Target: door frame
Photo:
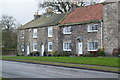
(28, 49)
(80, 52)
(42, 49)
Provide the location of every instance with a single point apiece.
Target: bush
(45, 53)
(19, 55)
(65, 53)
(35, 53)
(49, 54)
(54, 53)
(101, 52)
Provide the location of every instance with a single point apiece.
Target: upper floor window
(92, 46)
(50, 46)
(22, 34)
(50, 31)
(93, 27)
(34, 46)
(67, 45)
(34, 33)
(67, 30)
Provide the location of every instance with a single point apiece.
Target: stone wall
(81, 31)
(110, 19)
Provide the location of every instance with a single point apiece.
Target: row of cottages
(85, 29)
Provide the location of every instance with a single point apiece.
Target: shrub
(65, 53)
(19, 55)
(101, 52)
(34, 53)
(45, 53)
(54, 53)
(49, 54)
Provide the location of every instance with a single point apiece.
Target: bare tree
(9, 34)
(61, 6)
(7, 22)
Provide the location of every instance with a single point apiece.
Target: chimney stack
(36, 15)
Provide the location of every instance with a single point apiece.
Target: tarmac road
(28, 70)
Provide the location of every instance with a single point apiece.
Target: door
(28, 51)
(79, 48)
(42, 48)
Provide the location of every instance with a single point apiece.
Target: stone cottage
(85, 29)
(41, 34)
(92, 28)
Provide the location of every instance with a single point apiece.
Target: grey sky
(22, 10)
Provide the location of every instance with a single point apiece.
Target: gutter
(101, 22)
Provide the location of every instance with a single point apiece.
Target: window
(93, 27)
(22, 46)
(34, 33)
(50, 31)
(92, 46)
(22, 34)
(50, 46)
(34, 46)
(67, 45)
(67, 30)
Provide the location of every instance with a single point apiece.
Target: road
(27, 70)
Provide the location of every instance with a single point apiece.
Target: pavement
(12, 69)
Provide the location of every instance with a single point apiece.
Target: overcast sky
(21, 10)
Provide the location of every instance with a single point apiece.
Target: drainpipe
(101, 21)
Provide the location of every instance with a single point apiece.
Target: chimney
(36, 15)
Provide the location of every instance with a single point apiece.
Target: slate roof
(44, 21)
(84, 14)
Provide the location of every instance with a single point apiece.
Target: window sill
(93, 31)
(67, 33)
(66, 50)
(50, 50)
(34, 50)
(92, 50)
(34, 37)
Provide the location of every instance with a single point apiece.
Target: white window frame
(22, 47)
(92, 27)
(22, 34)
(67, 46)
(50, 44)
(34, 45)
(93, 47)
(34, 33)
(67, 30)
(50, 31)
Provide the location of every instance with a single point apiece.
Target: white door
(42, 48)
(28, 51)
(79, 47)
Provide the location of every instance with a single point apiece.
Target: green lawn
(78, 60)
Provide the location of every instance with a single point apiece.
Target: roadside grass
(103, 68)
(101, 61)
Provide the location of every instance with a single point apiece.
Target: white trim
(34, 43)
(50, 43)
(92, 47)
(67, 46)
(50, 31)
(34, 33)
(67, 30)
(91, 27)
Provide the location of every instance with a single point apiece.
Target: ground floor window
(92, 46)
(50, 46)
(34, 46)
(22, 46)
(67, 46)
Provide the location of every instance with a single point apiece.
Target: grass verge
(102, 61)
(103, 68)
